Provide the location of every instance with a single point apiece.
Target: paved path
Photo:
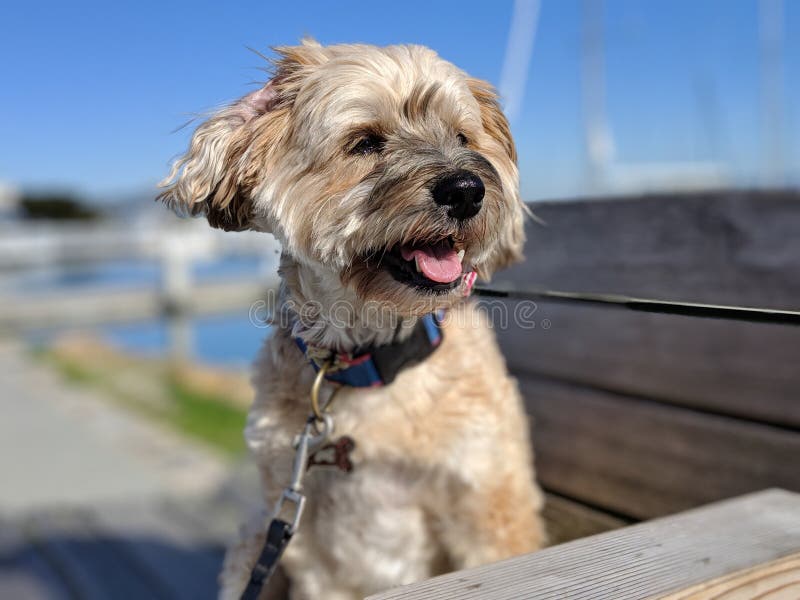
(96, 503)
(63, 445)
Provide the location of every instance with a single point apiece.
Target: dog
(389, 177)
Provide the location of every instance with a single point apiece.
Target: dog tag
(335, 454)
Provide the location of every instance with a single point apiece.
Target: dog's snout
(462, 192)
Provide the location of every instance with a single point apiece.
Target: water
(126, 273)
(226, 340)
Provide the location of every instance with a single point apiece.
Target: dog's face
(387, 167)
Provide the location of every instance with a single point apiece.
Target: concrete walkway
(63, 445)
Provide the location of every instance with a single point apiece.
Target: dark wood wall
(641, 415)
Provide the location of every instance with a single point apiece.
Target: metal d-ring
(315, 407)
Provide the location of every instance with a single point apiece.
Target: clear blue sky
(92, 91)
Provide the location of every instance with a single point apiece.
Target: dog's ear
(494, 121)
(216, 175)
(504, 158)
(207, 178)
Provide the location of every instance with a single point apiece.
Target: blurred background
(126, 333)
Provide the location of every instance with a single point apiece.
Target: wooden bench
(737, 549)
(640, 415)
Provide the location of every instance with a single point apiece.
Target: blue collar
(379, 366)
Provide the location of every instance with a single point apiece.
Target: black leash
(688, 309)
(278, 536)
(318, 428)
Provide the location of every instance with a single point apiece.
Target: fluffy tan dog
(389, 177)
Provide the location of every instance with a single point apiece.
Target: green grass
(75, 374)
(208, 418)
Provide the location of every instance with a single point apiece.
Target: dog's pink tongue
(438, 263)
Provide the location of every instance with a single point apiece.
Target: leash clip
(317, 430)
(314, 434)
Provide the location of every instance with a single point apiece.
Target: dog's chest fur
(437, 430)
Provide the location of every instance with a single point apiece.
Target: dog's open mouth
(435, 267)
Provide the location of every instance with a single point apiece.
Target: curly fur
(443, 475)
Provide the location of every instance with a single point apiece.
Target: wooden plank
(724, 247)
(643, 459)
(742, 369)
(649, 560)
(776, 580)
(567, 520)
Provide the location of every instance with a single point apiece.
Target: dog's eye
(462, 139)
(369, 144)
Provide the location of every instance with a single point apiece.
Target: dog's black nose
(462, 192)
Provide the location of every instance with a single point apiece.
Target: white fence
(175, 246)
(46, 245)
